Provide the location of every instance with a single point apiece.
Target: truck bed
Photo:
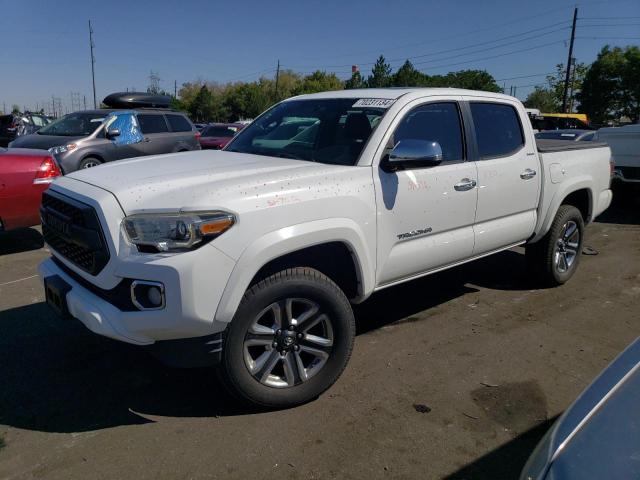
(546, 145)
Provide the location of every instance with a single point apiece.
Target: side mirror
(412, 153)
(113, 133)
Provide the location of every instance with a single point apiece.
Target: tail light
(612, 167)
(47, 172)
(198, 135)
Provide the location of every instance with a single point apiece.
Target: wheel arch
(579, 194)
(323, 245)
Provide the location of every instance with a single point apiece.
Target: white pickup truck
(249, 258)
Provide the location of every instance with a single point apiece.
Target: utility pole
(566, 78)
(175, 89)
(573, 80)
(84, 98)
(93, 62)
(53, 106)
(277, 78)
(515, 87)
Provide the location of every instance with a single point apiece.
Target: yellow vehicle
(580, 116)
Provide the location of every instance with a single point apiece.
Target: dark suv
(88, 138)
(18, 124)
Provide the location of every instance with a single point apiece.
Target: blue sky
(45, 43)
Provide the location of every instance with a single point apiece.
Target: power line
(608, 18)
(609, 38)
(460, 35)
(526, 76)
(475, 45)
(494, 56)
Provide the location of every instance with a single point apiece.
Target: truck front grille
(72, 229)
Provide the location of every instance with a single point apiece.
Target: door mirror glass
(413, 153)
(113, 133)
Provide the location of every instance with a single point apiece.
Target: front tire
(89, 162)
(555, 258)
(289, 341)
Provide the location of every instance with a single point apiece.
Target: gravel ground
(457, 376)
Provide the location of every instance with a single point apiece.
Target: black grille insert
(72, 229)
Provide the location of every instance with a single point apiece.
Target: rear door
(183, 134)
(508, 174)
(156, 133)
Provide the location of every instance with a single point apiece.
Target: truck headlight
(174, 232)
(62, 149)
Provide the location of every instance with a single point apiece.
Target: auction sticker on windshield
(374, 102)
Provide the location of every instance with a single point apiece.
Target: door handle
(527, 174)
(147, 139)
(465, 184)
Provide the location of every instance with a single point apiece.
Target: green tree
(543, 99)
(611, 88)
(408, 76)
(318, 81)
(380, 74)
(556, 84)
(15, 108)
(355, 81)
(472, 80)
(201, 107)
(247, 100)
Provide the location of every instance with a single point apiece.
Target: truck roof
(397, 92)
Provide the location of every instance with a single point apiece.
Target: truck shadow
(56, 376)
(22, 240)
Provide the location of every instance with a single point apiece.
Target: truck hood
(206, 179)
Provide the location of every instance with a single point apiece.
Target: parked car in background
(598, 436)
(217, 135)
(625, 148)
(200, 126)
(89, 138)
(24, 175)
(250, 257)
(18, 124)
(574, 135)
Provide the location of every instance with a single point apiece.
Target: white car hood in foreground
(198, 180)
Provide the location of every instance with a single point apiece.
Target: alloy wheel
(567, 247)
(288, 343)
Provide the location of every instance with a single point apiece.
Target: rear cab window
(178, 123)
(497, 128)
(152, 123)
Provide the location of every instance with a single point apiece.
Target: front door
(425, 215)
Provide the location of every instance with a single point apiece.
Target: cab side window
(434, 122)
(498, 129)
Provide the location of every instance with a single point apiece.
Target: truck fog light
(147, 295)
(155, 296)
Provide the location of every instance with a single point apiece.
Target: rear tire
(555, 258)
(289, 341)
(89, 162)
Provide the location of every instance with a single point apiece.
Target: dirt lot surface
(454, 376)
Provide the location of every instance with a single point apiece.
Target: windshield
(327, 131)
(74, 125)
